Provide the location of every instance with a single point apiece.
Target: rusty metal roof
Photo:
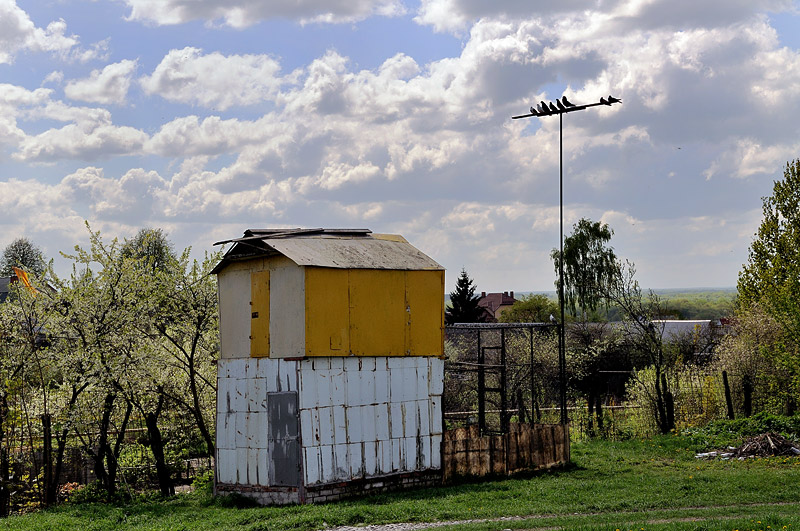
(336, 248)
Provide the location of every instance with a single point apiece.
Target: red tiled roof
(493, 301)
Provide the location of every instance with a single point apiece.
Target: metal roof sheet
(335, 248)
(355, 253)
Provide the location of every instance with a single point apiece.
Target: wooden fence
(465, 453)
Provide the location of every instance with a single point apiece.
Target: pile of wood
(766, 445)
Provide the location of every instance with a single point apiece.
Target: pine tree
(464, 303)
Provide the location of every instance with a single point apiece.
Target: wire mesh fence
(500, 373)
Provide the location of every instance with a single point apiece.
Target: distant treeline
(699, 303)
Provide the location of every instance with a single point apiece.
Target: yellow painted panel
(259, 308)
(425, 301)
(327, 312)
(377, 312)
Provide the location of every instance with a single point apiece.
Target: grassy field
(651, 484)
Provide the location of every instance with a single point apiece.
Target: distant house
(494, 304)
(6, 284)
(5, 287)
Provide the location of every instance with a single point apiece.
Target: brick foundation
(333, 491)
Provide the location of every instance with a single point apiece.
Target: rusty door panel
(283, 439)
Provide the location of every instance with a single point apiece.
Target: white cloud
(455, 16)
(189, 136)
(336, 175)
(14, 101)
(98, 51)
(106, 86)
(243, 13)
(33, 204)
(56, 77)
(85, 141)
(134, 195)
(19, 33)
(214, 80)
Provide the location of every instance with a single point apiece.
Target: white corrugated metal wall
(363, 417)
(359, 416)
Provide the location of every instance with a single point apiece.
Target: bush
(722, 433)
(90, 493)
(203, 485)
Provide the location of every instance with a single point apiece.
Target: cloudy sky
(207, 117)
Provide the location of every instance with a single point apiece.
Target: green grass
(651, 484)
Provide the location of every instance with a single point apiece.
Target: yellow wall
(327, 312)
(259, 316)
(374, 312)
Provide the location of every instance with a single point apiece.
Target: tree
(771, 276)
(534, 308)
(644, 336)
(151, 248)
(772, 270)
(589, 265)
(463, 302)
(101, 318)
(745, 354)
(22, 253)
(187, 324)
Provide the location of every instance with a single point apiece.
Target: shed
(330, 373)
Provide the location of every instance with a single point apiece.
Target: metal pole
(562, 107)
(562, 358)
(481, 388)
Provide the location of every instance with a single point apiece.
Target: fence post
(728, 400)
(748, 396)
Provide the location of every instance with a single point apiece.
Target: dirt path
(434, 525)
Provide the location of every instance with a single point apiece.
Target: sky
(208, 117)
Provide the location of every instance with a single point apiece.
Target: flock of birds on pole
(563, 105)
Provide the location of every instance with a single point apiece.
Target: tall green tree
(534, 308)
(151, 248)
(187, 327)
(772, 271)
(463, 302)
(590, 265)
(771, 276)
(24, 254)
(101, 316)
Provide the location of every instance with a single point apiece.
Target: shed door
(284, 444)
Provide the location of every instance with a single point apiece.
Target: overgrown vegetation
(114, 361)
